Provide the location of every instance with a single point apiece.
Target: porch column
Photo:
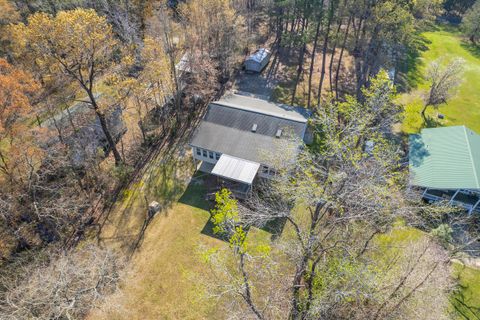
(195, 164)
(451, 200)
(424, 192)
(474, 207)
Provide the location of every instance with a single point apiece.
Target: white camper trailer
(257, 61)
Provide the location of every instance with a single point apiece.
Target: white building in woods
(238, 133)
(445, 165)
(257, 61)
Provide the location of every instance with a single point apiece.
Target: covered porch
(235, 174)
(467, 199)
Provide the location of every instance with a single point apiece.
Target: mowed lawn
(466, 299)
(446, 44)
(166, 264)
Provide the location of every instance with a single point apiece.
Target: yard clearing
(163, 249)
(161, 276)
(445, 43)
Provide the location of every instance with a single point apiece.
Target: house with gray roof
(445, 164)
(240, 135)
(80, 129)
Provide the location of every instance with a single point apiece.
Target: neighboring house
(258, 60)
(81, 130)
(240, 135)
(445, 164)
(184, 65)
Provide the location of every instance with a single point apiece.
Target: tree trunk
(339, 65)
(106, 131)
(312, 65)
(324, 55)
(332, 58)
(247, 295)
(296, 311)
(424, 116)
(300, 63)
(111, 142)
(314, 51)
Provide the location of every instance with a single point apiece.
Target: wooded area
(91, 92)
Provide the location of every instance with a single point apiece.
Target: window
(217, 156)
(210, 154)
(199, 151)
(204, 153)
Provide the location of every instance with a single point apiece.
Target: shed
(257, 61)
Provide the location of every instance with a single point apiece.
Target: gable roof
(255, 105)
(445, 158)
(259, 55)
(227, 128)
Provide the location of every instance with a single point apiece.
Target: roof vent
(254, 127)
(279, 133)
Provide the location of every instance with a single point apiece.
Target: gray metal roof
(244, 120)
(227, 130)
(259, 55)
(236, 169)
(265, 107)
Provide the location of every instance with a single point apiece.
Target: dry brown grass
(160, 278)
(283, 92)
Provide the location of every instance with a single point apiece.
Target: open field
(445, 44)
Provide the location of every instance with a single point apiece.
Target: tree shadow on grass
(470, 47)
(461, 304)
(432, 122)
(410, 73)
(208, 231)
(275, 227)
(163, 180)
(194, 196)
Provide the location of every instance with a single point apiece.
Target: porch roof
(236, 169)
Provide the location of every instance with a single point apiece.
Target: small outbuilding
(257, 61)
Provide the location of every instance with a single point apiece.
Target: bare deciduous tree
(339, 205)
(443, 82)
(60, 286)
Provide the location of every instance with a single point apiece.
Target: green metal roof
(445, 158)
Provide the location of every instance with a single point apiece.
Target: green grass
(466, 299)
(464, 108)
(162, 279)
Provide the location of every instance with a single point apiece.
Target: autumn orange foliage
(16, 89)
